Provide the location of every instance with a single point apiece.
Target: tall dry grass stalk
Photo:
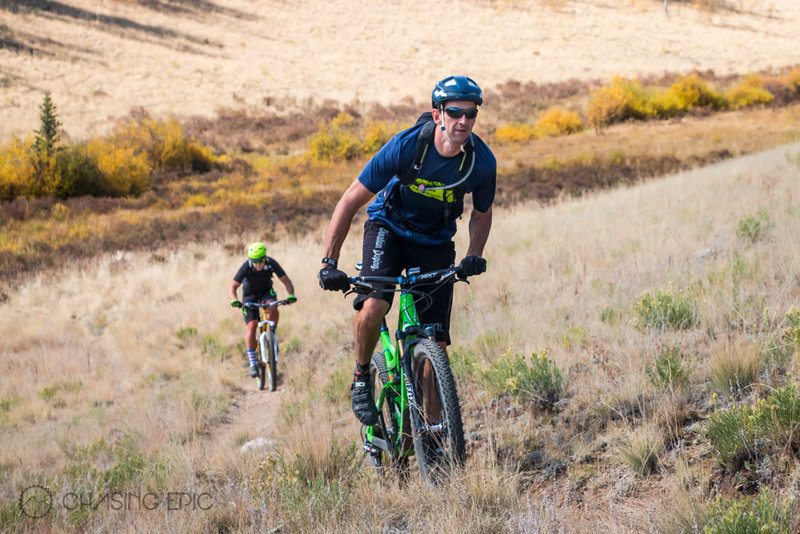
(734, 366)
(93, 357)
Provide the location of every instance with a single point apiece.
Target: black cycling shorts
(251, 314)
(385, 254)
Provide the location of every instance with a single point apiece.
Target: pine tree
(47, 135)
(44, 147)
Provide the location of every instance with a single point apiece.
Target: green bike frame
(408, 330)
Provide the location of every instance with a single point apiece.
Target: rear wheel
(379, 377)
(439, 443)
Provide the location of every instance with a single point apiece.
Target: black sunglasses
(259, 260)
(457, 113)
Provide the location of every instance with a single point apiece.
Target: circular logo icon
(35, 501)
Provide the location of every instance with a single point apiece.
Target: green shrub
(186, 335)
(609, 315)
(463, 363)
(213, 347)
(778, 418)
(312, 486)
(733, 434)
(746, 432)
(791, 336)
(48, 393)
(539, 381)
(337, 389)
(667, 310)
(667, 371)
(79, 173)
(746, 516)
(7, 403)
(131, 465)
(753, 227)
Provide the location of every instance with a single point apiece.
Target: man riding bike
(420, 177)
(255, 278)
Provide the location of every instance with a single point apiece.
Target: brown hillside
(191, 57)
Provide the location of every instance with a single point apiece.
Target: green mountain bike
(267, 344)
(413, 386)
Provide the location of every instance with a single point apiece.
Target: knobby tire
(379, 377)
(272, 362)
(260, 367)
(437, 452)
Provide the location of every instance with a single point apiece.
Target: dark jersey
(416, 213)
(257, 283)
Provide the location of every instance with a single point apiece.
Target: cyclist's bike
(267, 344)
(413, 386)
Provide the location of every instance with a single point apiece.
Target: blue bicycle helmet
(456, 88)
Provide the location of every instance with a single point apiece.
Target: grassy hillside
(669, 307)
(208, 179)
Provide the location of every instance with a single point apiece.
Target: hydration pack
(424, 143)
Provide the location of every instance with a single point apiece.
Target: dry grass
(193, 58)
(109, 365)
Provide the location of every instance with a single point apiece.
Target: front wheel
(439, 440)
(260, 367)
(272, 361)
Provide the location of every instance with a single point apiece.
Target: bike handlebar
(269, 304)
(363, 284)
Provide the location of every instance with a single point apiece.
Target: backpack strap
(424, 141)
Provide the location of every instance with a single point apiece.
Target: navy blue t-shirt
(414, 213)
(255, 283)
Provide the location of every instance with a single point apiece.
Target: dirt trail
(259, 408)
(255, 410)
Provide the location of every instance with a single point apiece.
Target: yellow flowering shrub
(557, 121)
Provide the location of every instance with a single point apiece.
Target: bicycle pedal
(370, 448)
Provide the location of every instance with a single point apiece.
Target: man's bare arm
(352, 200)
(479, 225)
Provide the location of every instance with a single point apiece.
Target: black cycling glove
(333, 279)
(472, 265)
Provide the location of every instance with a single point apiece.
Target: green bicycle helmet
(256, 251)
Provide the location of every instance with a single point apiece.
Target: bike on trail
(267, 344)
(413, 386)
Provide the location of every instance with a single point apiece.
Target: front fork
(262, 339)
